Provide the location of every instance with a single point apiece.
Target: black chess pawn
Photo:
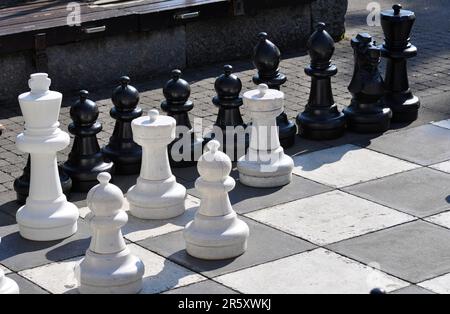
(234, 140)
(85, 160)
(321, 119)
(397, 49)
(366, 113)
(122, 150)
(185, 150)
(266, 58)
(22, 183)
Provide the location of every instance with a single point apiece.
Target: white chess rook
(216, 232)
(156, 195)
(108, 267)
(265, 165)
(47, 215)
(7, 285)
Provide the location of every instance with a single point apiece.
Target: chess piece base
(125, 163)
(7, 285)
(85, 179)
(216, 238)
(321, 129)
(119, 273)
(260, 175)
(157, 199)
(22, 186)
(371, 122)
(47, 220)
(405, 107)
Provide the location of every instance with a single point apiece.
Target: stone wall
(95, 63)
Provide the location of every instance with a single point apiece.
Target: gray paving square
(420, 192)
(246, 199)
(265, 244)
(425, 145)
(413, 289)
(415, 251)
(18, 254)
(204, 287)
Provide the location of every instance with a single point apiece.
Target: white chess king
(216, 232)
(7, 285)
(47, 215)
(265, 164)
(108, 267)
(156, 195)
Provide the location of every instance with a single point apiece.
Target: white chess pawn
(7, 285)
(108, 267)
(47, 215)
(265, 164)
(156, 195)
(216, 231)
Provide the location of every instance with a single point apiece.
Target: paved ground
(361, 211)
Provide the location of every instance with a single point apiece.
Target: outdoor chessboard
(374, 213)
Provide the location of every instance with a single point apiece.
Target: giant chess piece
(229, 124)
(216, 232)
(22, 183)
(366, 113)
(46, 215)
(397, 49)
(7, 285)
(108, 267)
(321, 119)
(156, 195)
(265, 164)
(122, 150)
(85, 160)
(266, 58)
(186, 148)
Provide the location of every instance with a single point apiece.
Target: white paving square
(138, 229)
(438, 285)
(347, 165)
(160, 274)
(442, 219)
(443, 124)
(330, 217)
(443, 166)
(315, 272)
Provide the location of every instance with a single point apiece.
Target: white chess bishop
(216, 232)
(7, 285)
(265, 165)
(47, 215)
(156, 195)
(108, 267)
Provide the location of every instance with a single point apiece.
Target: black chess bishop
(321, 119)
(266, 58)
